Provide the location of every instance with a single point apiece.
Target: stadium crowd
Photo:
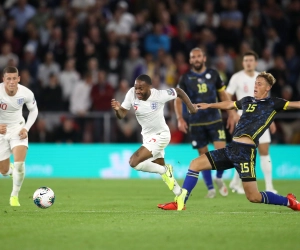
(77, 55)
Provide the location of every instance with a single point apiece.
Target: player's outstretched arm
(119, 110)
(183, 96)
(293, 105)
(219, 105)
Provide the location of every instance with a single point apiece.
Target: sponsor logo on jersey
(170, 91)
(153, 105)
(20, 101)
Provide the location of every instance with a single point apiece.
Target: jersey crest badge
(170, 92)
(208, 76)
(199, 80)
(20, 101)
(154, 105)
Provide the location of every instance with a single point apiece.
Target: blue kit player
(258, 113)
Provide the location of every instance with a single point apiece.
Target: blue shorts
(202, 135)
(236, 155)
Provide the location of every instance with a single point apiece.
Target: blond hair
(270, 79)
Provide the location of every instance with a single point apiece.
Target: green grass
(122, 214)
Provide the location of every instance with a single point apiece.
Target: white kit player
(242, 84)
(148, 104)
(13, 129)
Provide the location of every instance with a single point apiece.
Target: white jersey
(150, 113)
(242, 85)
(11, 106)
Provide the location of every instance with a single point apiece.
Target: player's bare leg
(223, 190)
(267, 197)
(139, 161)
(266, 165)
(5, 169)
(19, 153)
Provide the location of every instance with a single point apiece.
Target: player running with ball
(148, 104)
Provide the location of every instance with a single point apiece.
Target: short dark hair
(251, 53)
(10, 69)
(144, 78)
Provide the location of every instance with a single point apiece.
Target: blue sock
(220, 173)
(190, 182)
(275, 199)
(206, 174)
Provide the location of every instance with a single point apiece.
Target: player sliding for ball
(148, 104)
(258, 113)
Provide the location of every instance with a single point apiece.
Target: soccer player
(148, 104)
(13, 129)
(258, 113)
(242, 84)
(203, 85)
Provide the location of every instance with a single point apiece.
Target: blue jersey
(257, 116)
(203, 88)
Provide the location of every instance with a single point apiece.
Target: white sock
(266, 167)
(151, 167)
(18, 177)
(8, 172)
(236, 181)
(176, 189)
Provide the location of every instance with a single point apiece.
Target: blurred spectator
(252, 40)
(126, 128)
(168, 71)
(187, 14)
(273, 42)
(80, 101)
(293, 64)
(181, 64)
(101, 93)
(66, 132)
(93, 67)
(117, 25)
(28, 81)
(238, 60)
(220, 53)
(22, 12)
(134, 65)
(157, 40)
(208, 16)
(68, 79)
(42, 14)
(168, 29)
(40, 133)
(10, 38)
(280, 74)
(266, 62)
(7, 55)
(126, 17)
(220, 66)
(29, 61)
(52, 95)
(46, 69)
(113, 66)
(290, 127)
(183, 42)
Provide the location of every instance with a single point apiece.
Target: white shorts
(265, 138)
(156, 144)
(10, 140)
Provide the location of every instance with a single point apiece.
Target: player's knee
(253, 198)
(193, 165)
(133, 162)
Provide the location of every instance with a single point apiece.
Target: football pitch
(122, 214)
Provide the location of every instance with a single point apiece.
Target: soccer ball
(44, 197)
